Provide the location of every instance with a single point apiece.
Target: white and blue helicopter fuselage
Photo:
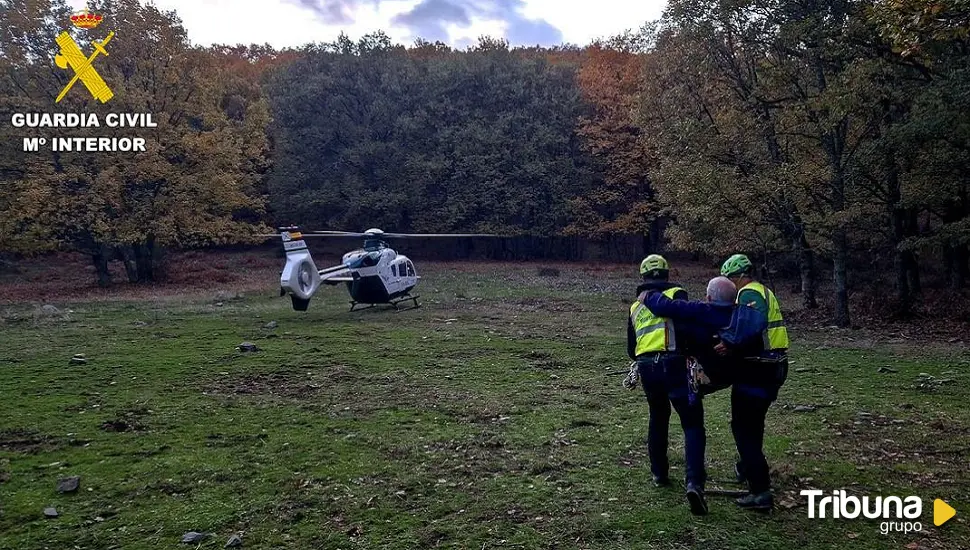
(375, 274)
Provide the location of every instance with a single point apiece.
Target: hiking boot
(695, 497)
(661, 481)
(759, 501)
(739, 473)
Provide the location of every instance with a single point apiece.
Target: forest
(830, 138)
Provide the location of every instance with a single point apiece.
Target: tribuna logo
(841, 505)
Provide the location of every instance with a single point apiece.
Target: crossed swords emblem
(71, 56)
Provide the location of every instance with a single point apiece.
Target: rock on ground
(69, 484)
(192, 537)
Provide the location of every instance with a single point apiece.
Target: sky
(459, 23)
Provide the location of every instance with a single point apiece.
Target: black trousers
(748, 414)
(664, 380)
(755, 388)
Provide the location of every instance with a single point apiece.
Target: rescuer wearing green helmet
(758, 378)
(652, 343)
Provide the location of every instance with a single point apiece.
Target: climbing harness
(633, 377)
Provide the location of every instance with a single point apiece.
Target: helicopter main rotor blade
(388, 235)
(435, 235)
(307, 235)
(332, 234)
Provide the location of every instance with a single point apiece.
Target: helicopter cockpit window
(394, 270)
(410, 270)
(370, 260)
(373, 244)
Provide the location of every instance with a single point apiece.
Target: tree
(932, 39)
(800, 123)
(26, 83)
(426, 139)
(610, 77)
(195, 183)
(712, 119)
(921, 27)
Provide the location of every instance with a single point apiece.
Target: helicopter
(374, 275)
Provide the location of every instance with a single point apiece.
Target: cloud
(530, 32)
(334, 12)
(430, 19)
(463, 43)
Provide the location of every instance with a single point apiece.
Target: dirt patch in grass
(22, 440)
(542, 360)
(346, 392)
(289, 385)
(431, 536)
(127, 421)
(878, 441)
(299, 383)
(543, 304)
(482, 453)
(54, 278)
(170, 487)
(465, 462)
(464, 407)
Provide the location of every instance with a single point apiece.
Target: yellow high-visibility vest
(776, 335)
(653, 333)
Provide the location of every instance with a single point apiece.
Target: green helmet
(654, 266)
(736, 265)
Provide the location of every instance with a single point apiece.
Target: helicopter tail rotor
(300, 278)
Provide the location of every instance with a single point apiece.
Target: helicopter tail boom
(335, 275)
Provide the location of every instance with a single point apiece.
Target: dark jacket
(697, 323)
(659, 286)
(702, 324)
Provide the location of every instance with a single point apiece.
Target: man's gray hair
(722, 290)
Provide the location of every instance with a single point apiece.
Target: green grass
(484, 419)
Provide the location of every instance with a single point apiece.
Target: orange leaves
(201, 166)
(609, 80)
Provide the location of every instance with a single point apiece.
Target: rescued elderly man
(701, 325)
(654, 343)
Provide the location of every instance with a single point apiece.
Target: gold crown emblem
(86, 20)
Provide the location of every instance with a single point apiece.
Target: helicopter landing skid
(405, 298)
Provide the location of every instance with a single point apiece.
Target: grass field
(484, 419)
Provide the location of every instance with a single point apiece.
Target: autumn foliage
(610, 77)
(826, 139)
